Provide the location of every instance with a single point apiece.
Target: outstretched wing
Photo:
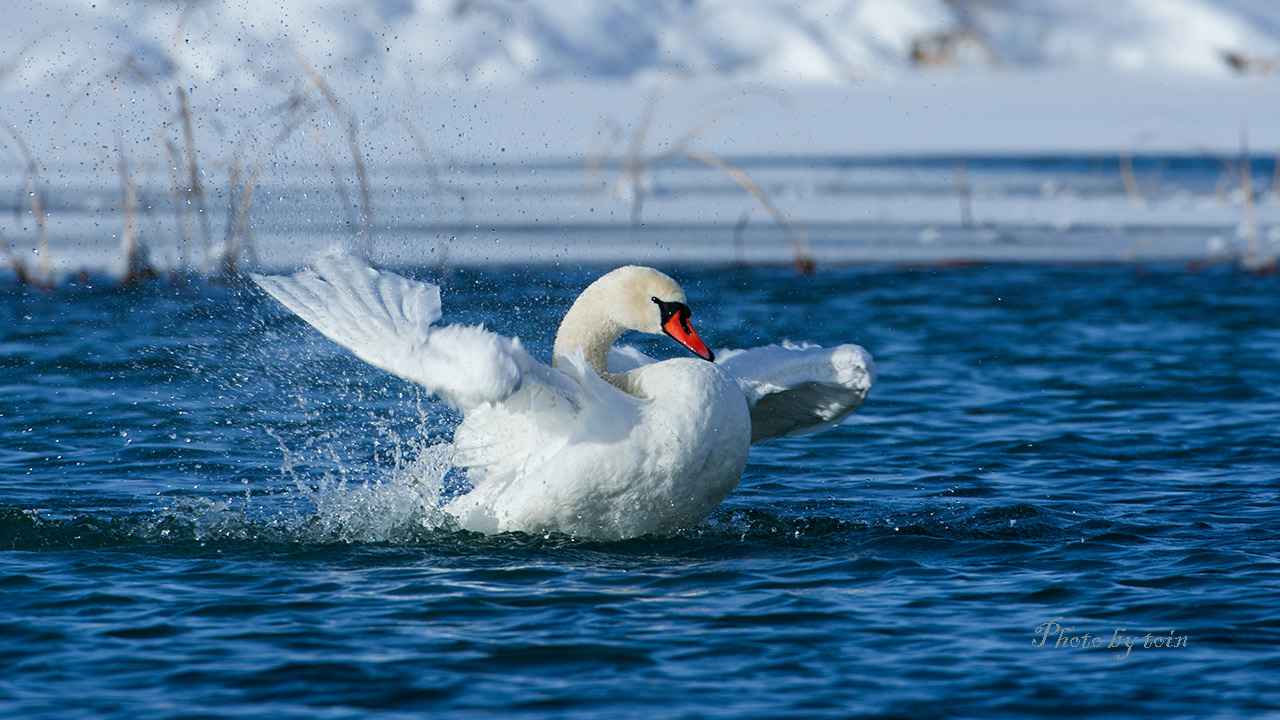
(791, 389)
(799, 389)
(386, 320)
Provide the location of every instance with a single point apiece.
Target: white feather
(386, 320)
(799, 389)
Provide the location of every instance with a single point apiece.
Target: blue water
(206, 510)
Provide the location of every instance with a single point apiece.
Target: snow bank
(514, 42)
(854, 76)
(76, 63)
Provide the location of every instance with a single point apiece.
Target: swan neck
(587, 329)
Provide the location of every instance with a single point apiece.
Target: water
(206, 510)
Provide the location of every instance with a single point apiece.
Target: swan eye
(668, 310)
(656, 300)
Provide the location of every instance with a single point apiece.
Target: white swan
(605, 444)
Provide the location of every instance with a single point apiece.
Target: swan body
(606, 442)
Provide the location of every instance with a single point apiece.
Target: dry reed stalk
(962, 192)
(1253, 260)
(1220, 189)
(1275, 178)
(15, 263)
(1241, 171)
(1261, 69)
(632, 165)
(349, 130)
(226, 264)
(1128, 178)
(740, 240)
(242, 184)
(798, 241)
(152, 268)
(318, 139)
(136, 262)
(126, 66)
(596, 154)
(195, 188)
(37, 206)
(433, 179)
(244, 181)
(1132, 252)
(181, 209)
(136, 267)
(135, 258)
(16, 59)
(180, 27)
(433, 172)
(708, 105)
(243, 187)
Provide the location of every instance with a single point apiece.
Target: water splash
(398, 500)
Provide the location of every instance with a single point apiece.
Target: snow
(515, 42)
(536, 90)
(972, 71)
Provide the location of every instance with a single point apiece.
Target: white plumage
(634, 448)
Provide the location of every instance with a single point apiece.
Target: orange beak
(678, 327)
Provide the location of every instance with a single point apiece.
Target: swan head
(629, 298)
(651, 302)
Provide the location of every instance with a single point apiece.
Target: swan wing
(550, 410)
(387, 321)
(799, 389)
(534, 458)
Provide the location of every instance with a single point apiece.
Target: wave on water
(404, 508)
(326, 500)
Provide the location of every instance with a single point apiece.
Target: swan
(606, 442)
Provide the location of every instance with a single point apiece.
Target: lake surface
(1062, 497)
